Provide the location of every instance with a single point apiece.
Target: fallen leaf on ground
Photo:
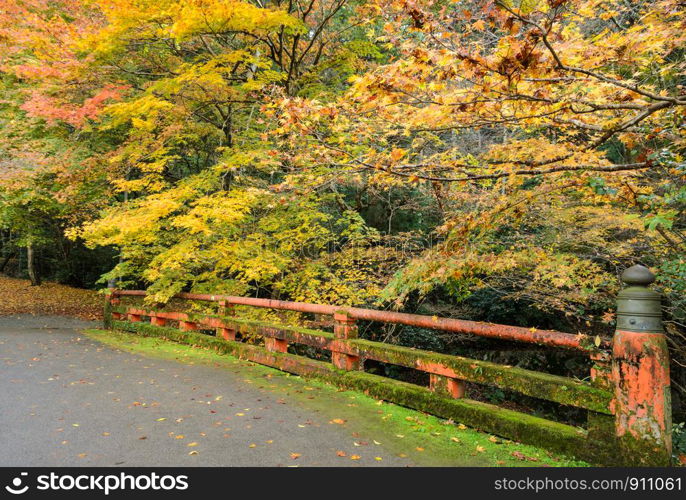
(521, 456)
(49, 298)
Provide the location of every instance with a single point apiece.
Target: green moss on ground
(424, 439)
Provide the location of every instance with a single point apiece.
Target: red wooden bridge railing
(627, 396)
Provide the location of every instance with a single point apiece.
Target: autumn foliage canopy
(440, 154)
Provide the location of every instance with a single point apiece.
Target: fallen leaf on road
(192, 444)
(355, 457)
(295, 456)
(341, 453)
(338, 421)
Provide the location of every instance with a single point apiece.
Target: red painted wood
(504, 332)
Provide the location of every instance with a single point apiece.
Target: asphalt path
(68, 400)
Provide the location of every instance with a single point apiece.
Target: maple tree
(550, 136)
(436, 154)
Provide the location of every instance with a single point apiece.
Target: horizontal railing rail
(626, 395)
(503, 332)
(554, 388)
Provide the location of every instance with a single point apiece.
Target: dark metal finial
(638, 275)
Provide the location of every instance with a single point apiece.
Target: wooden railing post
(344, 327)
(640, 371)
(157, 321)
(446, 386)
(133, 318)
(275, 345)
(111, 300)
(187, 326)
(226, 309)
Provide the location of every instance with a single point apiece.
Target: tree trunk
(31, 266)
(6, 260)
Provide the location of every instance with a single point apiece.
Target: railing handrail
(482, 329)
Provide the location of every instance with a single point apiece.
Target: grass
(425, 439)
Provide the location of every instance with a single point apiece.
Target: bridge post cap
(638, 275)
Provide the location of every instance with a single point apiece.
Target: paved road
(66, 399)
